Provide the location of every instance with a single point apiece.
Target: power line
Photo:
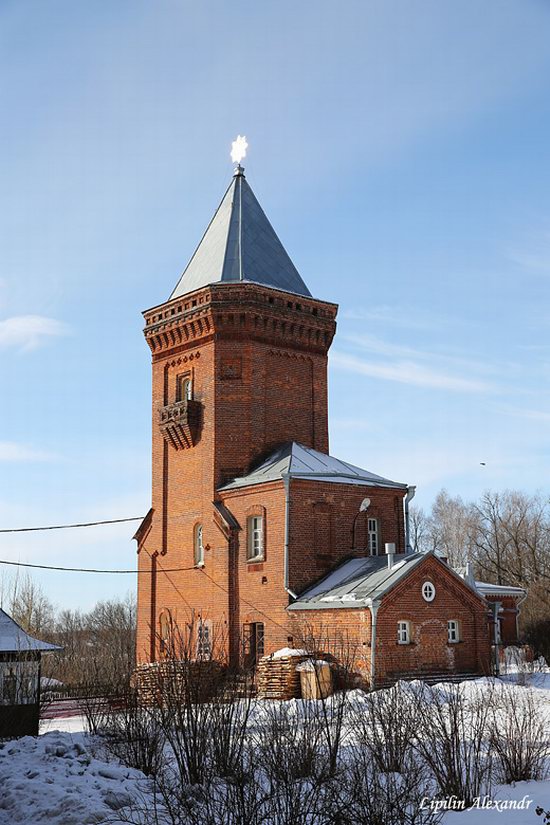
(70, 526)
(88, 569)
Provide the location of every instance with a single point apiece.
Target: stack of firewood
(277, 678)
(170, 679)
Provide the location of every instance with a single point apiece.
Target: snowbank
(57, 779)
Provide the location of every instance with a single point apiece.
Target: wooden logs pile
(167, 680)
(277, 677)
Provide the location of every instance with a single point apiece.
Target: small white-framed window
(453, 631)
(403, 632)
(184, 388)
(198, 545)
(428, 592)
(204, 639)
(373, 539)
(255, 548)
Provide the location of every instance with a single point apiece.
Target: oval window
(428, 592)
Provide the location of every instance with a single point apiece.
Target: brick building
(255, 531)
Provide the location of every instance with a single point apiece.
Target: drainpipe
(286, 482)
(411, 492)
(373, 606)
(496, 610)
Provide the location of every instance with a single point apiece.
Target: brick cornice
(240, 311)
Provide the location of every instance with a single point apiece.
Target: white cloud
(408, 372)
(27, 332)
(531, 415)
(393, 316)
(11, 451)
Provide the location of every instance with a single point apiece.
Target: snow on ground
(56, 778)
(530, 794)
(69, 724)
(64, 777)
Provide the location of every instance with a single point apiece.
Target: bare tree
(450, 528)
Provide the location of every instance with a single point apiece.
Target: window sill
(255, 560)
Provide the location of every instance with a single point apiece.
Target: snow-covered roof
(499, 589)
(293, 459)
(357, 582)
(13, 639)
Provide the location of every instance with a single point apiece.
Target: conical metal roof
(240, 245)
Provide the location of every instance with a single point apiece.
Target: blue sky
(401, 151)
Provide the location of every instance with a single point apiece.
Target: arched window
(184, 388)
(255, 539)
(204, 639)
(198, 545)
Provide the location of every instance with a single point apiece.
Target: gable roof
(13, 639)
(357, 583)
(240, 245)
(360, 582)
(295, 460)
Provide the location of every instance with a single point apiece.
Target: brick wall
(322, 517)
(430, 652)
(258, 361)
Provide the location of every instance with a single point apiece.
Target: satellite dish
(365, 504)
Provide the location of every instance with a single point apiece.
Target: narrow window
(199, 546)
(403, 633)
(165, 627)
(373, 536)
(204, 641)
(184, 388)
(255, 548)
(453, 634)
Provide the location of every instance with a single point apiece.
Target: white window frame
(453, 631)
(373, 536)
(204, 639)
(185, 387)
(198, 545)
(428, 591)
(255, 538)
(403, 632)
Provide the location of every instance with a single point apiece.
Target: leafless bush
(368, 796)
(453, 739)
(330, 711)
(519, 739)
(387, 723)
(134, 735)
(289, 748)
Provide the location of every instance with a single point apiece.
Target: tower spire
(240, 244)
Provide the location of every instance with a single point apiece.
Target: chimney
(390, 553)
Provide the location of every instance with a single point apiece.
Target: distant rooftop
(293, 459)
(240, 245)
(13, 639)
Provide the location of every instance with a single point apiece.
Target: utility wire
(70, 526)
(88, 569)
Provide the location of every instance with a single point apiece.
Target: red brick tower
(239, 356)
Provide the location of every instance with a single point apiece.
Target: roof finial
(238, 152)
